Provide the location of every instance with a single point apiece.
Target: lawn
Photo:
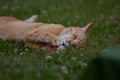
(17, 62)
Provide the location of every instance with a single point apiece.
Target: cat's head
(76, 36)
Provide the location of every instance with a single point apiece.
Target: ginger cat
(42, 35)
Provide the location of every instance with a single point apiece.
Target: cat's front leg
(44, 37)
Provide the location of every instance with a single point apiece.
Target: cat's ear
(88, 27)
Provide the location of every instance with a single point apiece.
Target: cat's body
(39, 35)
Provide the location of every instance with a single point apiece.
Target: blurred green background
(17, 62)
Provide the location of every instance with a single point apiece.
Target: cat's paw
(65, 43)
(60, 48)
(61, 42)
(60, 45)
(58, 42)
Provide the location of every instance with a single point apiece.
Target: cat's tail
(32, 19)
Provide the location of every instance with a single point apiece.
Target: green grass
(18, 62)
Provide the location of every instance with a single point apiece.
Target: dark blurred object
(104, 67)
